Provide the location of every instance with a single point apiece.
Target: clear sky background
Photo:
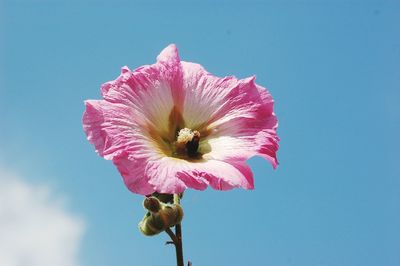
(333, 68)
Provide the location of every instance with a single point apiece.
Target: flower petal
(172, 175)
(169, 58)
(92, 125)
(111, 128)
(219, 175)
(162, 175)
(141, 99)
(153, 92)
(235, 116)
(133, 172)
(263, 143)
(106, 126)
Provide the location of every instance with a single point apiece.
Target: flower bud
(160, 216)
(152, 204)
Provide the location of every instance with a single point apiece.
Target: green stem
(178, 234)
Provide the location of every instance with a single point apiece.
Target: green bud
(160, 216)
(152, 204)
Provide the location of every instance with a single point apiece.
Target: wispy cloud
(35, 227)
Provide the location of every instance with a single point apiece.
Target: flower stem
(172, 236)
(178, 246)
(178, 234)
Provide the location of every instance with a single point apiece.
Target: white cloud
(35, 227)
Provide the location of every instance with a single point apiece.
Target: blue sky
(332, 67)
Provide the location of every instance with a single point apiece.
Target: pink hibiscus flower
(172, 125)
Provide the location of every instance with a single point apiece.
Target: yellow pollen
(187, 141)
(184, 136)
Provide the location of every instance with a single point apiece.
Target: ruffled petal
(219, 175)
(115, 135)
(169, 59)
(132, 170)
(153, 92)
(172, 175)
(235, 116)
(111, 128)
(263, 143)
(162, 175)
(92, 125)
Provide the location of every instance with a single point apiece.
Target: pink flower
(172, 125)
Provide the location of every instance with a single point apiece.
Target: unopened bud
(152, 204)
(160, 216)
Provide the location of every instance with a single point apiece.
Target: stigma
(187, 142)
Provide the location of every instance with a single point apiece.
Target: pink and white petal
(244, 105)
(220, 175)
(169, 59)
(106, 126)
(153, 91)
(110, 127)
(93, 120)
(230, 109)
(172, 175)
(132, 170)
(263, 143)
(112, 130)
(212, 101)
(242, 138)
(146, 92)
(162, 175)
(204, 94)
(169, 55)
